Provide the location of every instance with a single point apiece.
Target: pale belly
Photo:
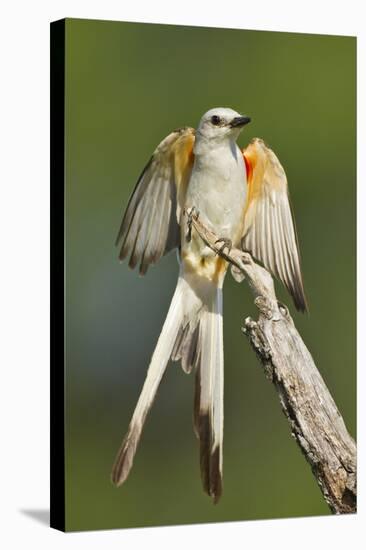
(219, 194)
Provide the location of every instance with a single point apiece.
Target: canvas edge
(57, 317)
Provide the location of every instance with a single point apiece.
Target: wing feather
(269, 228)
(150, 225)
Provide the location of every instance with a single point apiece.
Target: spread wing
(150, 225)
(269, 230)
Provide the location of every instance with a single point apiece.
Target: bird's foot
(227, 243)
(190, 213)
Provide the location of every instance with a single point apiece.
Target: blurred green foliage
(127, 86)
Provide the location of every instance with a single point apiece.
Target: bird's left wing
(150, 225)
(269, 229)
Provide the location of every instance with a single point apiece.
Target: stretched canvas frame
(66, 472)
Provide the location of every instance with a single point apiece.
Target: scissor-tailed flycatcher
(243, 197)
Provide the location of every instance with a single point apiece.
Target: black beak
(239, 121)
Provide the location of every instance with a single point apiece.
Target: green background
(127, 86)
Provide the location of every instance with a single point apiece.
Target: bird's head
(220, 124)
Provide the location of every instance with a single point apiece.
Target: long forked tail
(192, 333)
(183, 297)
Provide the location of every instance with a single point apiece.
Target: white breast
(217, 188)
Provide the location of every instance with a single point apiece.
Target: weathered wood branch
(314, 419)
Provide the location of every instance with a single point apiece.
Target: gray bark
(314, 419)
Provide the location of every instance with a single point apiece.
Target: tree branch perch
(314, 419)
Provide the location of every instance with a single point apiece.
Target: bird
(242, 196)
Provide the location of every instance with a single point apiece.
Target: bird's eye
(215, 120)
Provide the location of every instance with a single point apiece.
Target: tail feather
(209, 413)
(158, 364)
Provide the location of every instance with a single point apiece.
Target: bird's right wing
(150, 225)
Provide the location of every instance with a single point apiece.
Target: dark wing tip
(143, 269)
(301, 303)
(296, 289)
